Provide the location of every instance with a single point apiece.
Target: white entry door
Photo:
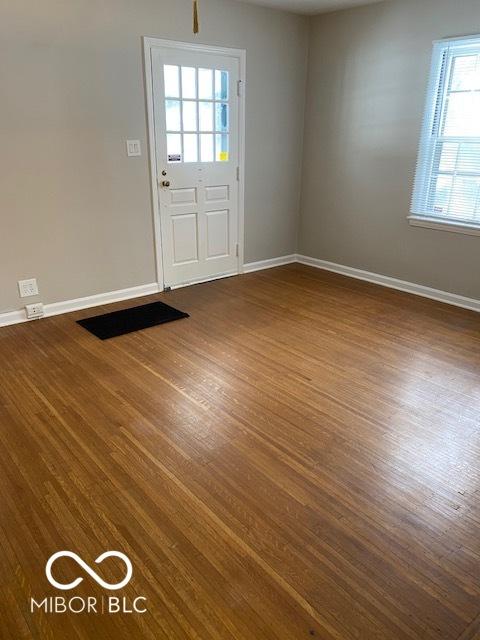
(196, 118)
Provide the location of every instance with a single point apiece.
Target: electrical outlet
(34, 310)
(28, 288)
(134, 148)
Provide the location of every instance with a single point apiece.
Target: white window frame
(443, 53)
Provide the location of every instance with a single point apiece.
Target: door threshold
(190, 283)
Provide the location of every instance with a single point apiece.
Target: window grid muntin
(219, 135)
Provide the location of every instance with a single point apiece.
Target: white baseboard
(12, 317)
(54, 309)
(268, 264)
(66, 306)
(393, 283)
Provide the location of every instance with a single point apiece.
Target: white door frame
(241, 56)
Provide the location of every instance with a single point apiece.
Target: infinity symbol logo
(87, 569)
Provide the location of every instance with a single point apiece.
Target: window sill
(444, 225)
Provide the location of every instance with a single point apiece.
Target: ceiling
(311, 6)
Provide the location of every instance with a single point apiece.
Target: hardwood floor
(300, 458)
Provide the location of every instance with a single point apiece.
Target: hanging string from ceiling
(196, 27)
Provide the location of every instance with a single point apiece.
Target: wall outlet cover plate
(34, 310)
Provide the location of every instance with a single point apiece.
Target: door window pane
(221, 85)
(172, 111)
(189, 116)
(189, 83)
(221, 147)
(190, 147)
(206, 147)
(221, 116)
(205, 84)
(196, 106)
(172, 84)
(174, 147)
(206, 116)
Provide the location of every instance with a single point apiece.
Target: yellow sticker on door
(223, 156)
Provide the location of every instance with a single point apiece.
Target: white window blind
(447, 182)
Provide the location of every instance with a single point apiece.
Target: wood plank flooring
(300, 458)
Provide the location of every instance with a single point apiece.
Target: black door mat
(117, 323)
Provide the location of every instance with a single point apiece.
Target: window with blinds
(447, 182)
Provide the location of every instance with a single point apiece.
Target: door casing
(148, 44)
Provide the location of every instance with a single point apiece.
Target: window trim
(439, 75)
(442, 224)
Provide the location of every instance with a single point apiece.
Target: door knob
(165, 183)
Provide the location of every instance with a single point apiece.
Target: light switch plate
(134, 148)
(28, 288)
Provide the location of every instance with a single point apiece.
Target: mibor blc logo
(87, 569)
(90, 604)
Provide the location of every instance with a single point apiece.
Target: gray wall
(368, 70)
(75, 212)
